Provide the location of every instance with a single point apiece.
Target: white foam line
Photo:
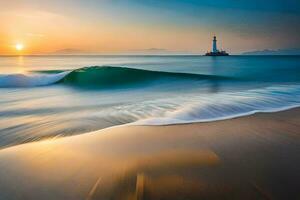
(161, 121)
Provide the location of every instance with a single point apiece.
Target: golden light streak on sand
(93, 190)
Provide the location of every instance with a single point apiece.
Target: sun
(19, 47)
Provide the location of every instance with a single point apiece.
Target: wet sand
(253, 157)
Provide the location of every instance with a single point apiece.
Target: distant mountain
(149, 51)
(294, 51)
(156, 51)
(69, 51)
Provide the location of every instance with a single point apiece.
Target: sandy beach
(253, 157)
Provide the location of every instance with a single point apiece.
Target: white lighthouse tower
(214, 47)
(215, 51)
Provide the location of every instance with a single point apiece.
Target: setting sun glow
(19, 47)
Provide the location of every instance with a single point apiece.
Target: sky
(133, 26)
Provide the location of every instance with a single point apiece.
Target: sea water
(52, 96)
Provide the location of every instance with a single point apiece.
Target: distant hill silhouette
(69, 51)
(149, 51)
(294, 51)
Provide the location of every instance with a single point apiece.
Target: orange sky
(43, 32)
(52, 25)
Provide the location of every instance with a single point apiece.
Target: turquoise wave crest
(100, 77)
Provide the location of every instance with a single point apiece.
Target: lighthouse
(215, 51)
(214, 47)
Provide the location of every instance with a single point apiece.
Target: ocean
(53, 96)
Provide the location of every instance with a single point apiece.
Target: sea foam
(30, 80)
(230, 105)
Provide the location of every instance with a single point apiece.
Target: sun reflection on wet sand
(161, 175)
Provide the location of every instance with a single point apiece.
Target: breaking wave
(103, 77)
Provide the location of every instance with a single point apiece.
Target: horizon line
(106, 54)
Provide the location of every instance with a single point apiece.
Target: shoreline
(139, 123)
(254, 112)
(250, 157)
